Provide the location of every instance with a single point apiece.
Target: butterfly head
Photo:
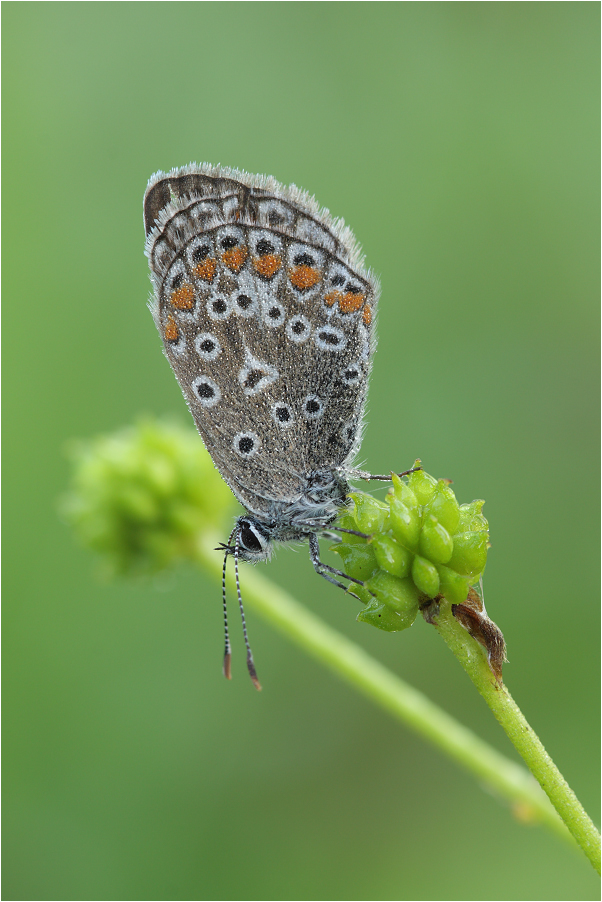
(252, 540)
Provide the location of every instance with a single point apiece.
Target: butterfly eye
(249, 538)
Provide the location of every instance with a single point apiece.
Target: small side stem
(474, 661)
(353, 664)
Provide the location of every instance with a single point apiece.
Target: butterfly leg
(324, 570)
(363, 474)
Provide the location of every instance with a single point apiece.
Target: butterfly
(267, 316)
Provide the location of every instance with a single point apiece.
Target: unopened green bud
(470, 553)
(471, 518)
(424, 544)
(359, 560)
(452, 585)
(143, 496)
(391, 556)
(444, 506)
(138, 504)
(380, 615)
(399, 594)
(435, 543)
(403, 492)
(425, 576)
(422, 485)
(405, 522)
(369, 513)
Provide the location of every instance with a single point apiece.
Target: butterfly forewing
(266, 316)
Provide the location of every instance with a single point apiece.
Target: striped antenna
(227, 646)
(250, 662)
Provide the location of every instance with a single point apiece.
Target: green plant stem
(351, 663)
(474, 661)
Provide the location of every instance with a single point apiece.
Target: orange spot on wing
(303, 277)
(183, 297)
(205, 269)
(267, 265)
(367, 315)
(235, 257)
(172, 333)
(351, 302)
(348, 302)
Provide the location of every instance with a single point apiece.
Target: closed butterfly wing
(267, 319)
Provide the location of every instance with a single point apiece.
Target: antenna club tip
(253, 672)
(227, 666)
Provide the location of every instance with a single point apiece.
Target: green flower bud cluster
(422, 544)
(142, 496)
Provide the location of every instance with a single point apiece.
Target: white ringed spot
(207, 346)
(282, 414)
(312, 407)
(219, 307)
(298, 328)
(329, 338)
(206, 391)
(246, 444)
(274, 314)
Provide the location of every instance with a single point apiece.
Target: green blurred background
(460, 141)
